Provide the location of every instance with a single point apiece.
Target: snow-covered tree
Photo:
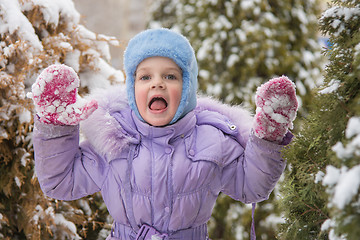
(242, 43)
(239, 45)
(322, 194)
(33, 35)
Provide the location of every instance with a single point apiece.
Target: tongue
(158, 105)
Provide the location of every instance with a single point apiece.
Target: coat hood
(101, 129)
(108, 136)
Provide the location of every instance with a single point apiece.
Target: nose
(157, 82)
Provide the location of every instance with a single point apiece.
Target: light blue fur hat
(163, 43)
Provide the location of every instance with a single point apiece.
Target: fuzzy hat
(163, 43)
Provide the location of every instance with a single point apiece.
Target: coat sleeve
(253, 175)
(65, 170)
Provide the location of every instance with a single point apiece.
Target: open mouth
(157, 104)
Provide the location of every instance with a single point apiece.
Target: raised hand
(276, 108)
(55, 97)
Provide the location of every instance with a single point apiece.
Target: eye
(170, 77)
(144, 77)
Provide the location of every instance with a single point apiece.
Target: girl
(159, 156)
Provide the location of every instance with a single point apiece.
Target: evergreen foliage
(243, 43)
(34, 35)
(322, 187)
(239, 45)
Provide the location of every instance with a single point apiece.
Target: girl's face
(158, 87)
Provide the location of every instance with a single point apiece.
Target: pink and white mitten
(276, 107)
(55, 97)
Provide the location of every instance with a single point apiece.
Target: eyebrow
(178, 69)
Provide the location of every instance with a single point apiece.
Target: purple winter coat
(167, 177)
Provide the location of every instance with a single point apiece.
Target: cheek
(140, 98)
(176, 93)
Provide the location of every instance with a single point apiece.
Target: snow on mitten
(55, 97)
(276, 107)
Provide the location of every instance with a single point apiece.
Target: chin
(158, 123)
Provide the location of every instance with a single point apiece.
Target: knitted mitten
(276, 107)
(55, 97)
